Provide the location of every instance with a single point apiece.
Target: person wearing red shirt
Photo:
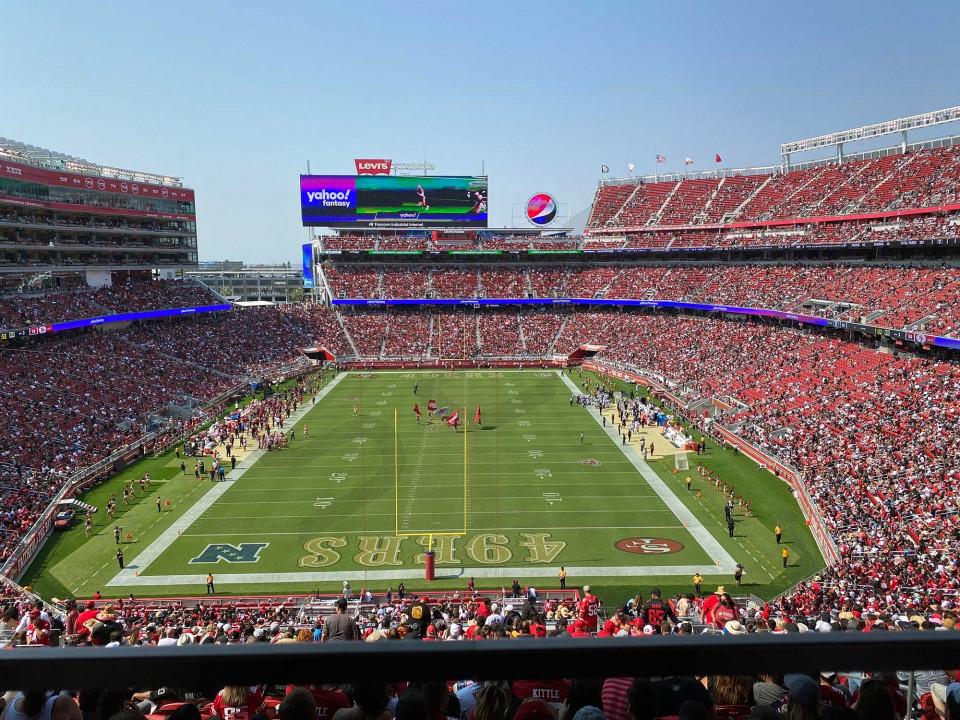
(589, 608)
(710, 604)
(89, 614)
(38, 631)
(328, 698)
(552, 692)
(237, 702)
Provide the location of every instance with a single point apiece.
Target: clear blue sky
(237, 96)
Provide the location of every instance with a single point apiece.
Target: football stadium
(686, 446)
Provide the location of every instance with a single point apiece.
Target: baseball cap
(803, 689)
(534, 710)
(589, 712)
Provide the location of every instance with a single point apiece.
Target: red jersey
(328, 700)
(82, 619)
(38, 632)
(248, 710)
(552, 692)
(588, 608)
(722, 615)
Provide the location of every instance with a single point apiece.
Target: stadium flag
(687, 161)
(431, 405)
(416, 409)
(604, 169)
(630, 167)
(661, 158)
(440, 411)
(454, 419)
(477, 417)
(717, 158)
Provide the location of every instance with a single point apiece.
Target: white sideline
(130, 577)
(724, 562)
(143, 560)
(443, 573)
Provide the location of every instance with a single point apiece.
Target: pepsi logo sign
(541, 209)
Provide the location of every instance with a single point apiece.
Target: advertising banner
(393, 201)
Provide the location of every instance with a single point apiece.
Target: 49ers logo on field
(590, 462)
(648, 546)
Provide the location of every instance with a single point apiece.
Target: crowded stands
(924, 297)
(923, 178)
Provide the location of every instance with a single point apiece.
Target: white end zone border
(130, 577)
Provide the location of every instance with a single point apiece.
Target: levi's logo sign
(373, 167)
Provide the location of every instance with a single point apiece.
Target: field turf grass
(341, 504)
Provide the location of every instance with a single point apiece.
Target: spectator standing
(340, 626)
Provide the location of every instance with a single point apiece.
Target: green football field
(364, 490)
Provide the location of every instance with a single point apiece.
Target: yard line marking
(524, 511)
(389, 531)
(169, 536)
(579, 483)
(724, 561)
(301, 500)
(444, 572)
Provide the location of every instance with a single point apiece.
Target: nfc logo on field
(242, 553)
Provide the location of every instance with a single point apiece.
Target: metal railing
(386, 661)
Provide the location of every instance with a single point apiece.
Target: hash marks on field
(350, 456)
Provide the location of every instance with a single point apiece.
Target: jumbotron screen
(393, 201)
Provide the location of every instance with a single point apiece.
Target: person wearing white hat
(733, 627)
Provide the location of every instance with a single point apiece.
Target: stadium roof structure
(865, 132)
(53, 160)
(835, 139)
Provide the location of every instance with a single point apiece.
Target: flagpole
(464, 470)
